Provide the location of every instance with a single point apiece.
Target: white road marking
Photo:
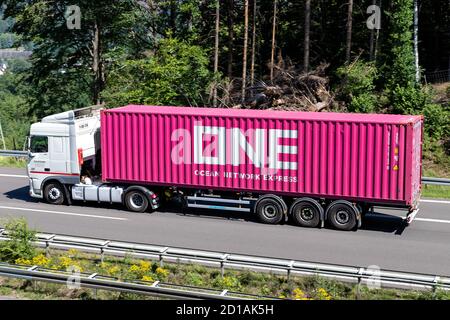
(64, 213)
(12, 175)
(432, 220)
(435, 201)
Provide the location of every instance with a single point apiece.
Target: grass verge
(299, 288)
(432, 191)
(12, 162)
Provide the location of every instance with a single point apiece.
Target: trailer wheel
(342, 215)
(269, 210)
(306, 212)
(136, 201)
(54, 193)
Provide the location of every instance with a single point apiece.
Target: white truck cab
(58, 147)
(65, 163)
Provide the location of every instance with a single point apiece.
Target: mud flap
(411, 215)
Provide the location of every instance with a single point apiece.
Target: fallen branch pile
(291, 89)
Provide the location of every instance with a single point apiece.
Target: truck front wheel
(136, 201)
(54, 193)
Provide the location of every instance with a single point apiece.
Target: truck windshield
(39, 144)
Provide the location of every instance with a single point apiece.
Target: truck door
(58, 155)
(39, 161)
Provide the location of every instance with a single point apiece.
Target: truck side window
(39, 144)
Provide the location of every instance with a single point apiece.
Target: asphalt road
(422, 247)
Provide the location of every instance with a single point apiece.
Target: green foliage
(399, 69)
(357, 86)
(437, 121)
(227, 282)
(408, 100)
(176, 74)
(194, 279)
(13, 108)
(414, 100)
(20, 244)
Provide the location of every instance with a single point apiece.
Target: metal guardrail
(436, 181)
(14, 153)
(359, 275)
(99, 282)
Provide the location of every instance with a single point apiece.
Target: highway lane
(422, 247)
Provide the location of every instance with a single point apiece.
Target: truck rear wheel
(136, 201)
(54, 193)
(342, 215)
(306, 212)
(269, 210)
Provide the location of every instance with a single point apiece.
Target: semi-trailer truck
(310, 168)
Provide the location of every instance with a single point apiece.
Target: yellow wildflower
(162, 272)
(300, 295)
(147, 278)
(113, 270)
(40, 260)
(65, 262)
(135, 268)
(23, 261)
(322, 294)
(144, 266)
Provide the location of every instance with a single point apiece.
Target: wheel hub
(270, 211)
(54, 193)
(307, 214)
(136, 200)
(342, 217)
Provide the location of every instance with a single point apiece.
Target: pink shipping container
(359, 157)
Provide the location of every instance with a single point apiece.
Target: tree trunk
(349, 31)
(416, 40)
(173, 17)
(97, 68)
(230, 19)
(372, 39)
(244, 59)
(216, 52)
(377, 39)
(306, 42)
(274, 28)
(252, 67)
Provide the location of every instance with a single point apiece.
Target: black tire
(342, 215)
(54, 193)
(136, 201)
(306, 213)
(269, 211)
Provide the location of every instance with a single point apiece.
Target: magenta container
(359, 157)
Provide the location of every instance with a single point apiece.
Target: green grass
(303, 288)
(12, 162)
(432, 191)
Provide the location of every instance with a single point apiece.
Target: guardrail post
(358, 286)
(435, 285)
(161, 256)
(48, 239)
(290, 266)
(222, 264)
(102, 250)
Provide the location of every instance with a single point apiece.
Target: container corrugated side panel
(364, 161)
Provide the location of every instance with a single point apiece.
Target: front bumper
(33, 192)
